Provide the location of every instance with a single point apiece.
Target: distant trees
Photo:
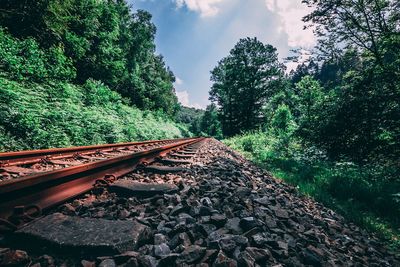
(243, 82)
(201, 122)
(102, 40)
(210, 124)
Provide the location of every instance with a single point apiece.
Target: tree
(210, 123)
(359, 23)
(243, 82)
(104, 40)
(309, 98)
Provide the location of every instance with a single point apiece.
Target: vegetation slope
(81, 72)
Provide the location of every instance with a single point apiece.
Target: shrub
(59, 114)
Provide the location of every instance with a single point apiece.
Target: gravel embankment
(227, 212)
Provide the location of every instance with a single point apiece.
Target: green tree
(360, 23)
(210, 123)
(310, 96)
(104, 40)
(243, 82)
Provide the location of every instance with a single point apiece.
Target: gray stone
(224, 261)
(159, 239)
(207, 229)
(161, 250)
(282, 214)
(192, 254)
(108, 263)
(233, 225)
(84, 235)
(147, 261)
(248, 223)
(86, 263)
(129, 188)
(227, 244)
(258, 254)
(218, 220)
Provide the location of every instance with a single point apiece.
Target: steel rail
(45, 190)
(33, 156)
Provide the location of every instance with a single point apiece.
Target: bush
(367, 194)
(25, 60)
(59, 114)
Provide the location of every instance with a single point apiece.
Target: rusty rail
(23, 199)
(32, 156)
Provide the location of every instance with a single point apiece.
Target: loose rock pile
(228, 212)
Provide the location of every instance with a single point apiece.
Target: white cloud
(206, 8)
(183, 98)
(291, 12)
(178, 81)
(304, 55)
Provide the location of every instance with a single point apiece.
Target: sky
(193, 35)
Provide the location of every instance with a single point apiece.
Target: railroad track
(17, 164)
(32, 190)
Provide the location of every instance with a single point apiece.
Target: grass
(362, 194)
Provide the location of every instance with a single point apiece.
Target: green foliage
(243, 83)
(191, 117)
(77, 40)
(332, 127)
(365, 194)
(309, 99)
(34, 116)
(210, 124)
(25, 60)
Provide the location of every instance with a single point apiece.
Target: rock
(169, 260)
(161, 250)
(132, 262)
(204, 211)
(185, 218)
(178, 209)
(130, 188)
(126, 256)
(159, 239)
(147, 261)
(108, 263)
(248, 223)
(233, 225)
(263, 201)
(282, 214)
(270, 222)
(192, 254)
(227, 244)
(243, 191)
(223, 261)
(210, 256)
(206, 229)
(123, 214)
(245, 259)
(218, 220)
(310, 257)
(46, 261)
(68, 209)
(258, 254)
(206, 201)
(15, 258)
(259, 240)
(85, 235)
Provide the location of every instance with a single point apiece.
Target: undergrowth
(60, 114)
(367, 195)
